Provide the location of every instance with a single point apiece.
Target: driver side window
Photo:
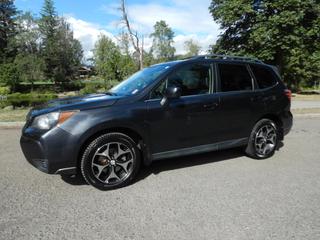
(192, 79)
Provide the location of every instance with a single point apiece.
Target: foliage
(9, 75)
(162, 42)
(26, 100)
(192, 48)
(110, 63)
(8, 13)
(97, 86)
(30, 67)
(62, 53)
(285, 33)
(4, 91)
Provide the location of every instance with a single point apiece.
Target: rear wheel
(110, 161)
(263, 140)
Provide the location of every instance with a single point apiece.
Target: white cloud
(189, 19)
(87, 33)
(190, 16)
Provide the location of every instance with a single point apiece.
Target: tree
(8, 13)
(28, 36)
(29, 67)
(192, 48)
(284, 33)
(162, 41)
(69, 53)
(62, 53)
(135, 38)
(9, 75)
(49, 27)
(107, 56)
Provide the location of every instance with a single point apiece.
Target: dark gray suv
(172, 109)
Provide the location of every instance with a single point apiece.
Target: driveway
(220, 195)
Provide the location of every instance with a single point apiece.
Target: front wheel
(110, 161)
(263, 139)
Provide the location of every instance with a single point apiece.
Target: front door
(188, 121)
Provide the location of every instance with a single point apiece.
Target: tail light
(288, 93)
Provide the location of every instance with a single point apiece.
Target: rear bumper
(287, 122)
(51, 152)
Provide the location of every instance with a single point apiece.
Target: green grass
(18, 115)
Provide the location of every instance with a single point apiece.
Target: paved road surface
(222, 195)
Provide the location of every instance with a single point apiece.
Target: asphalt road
(221, 195)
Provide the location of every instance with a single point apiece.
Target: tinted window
(264, 76)
(192, 79)
(234, 78)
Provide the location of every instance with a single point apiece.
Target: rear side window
(265, 76)
(234, 78)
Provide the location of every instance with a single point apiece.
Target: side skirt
(200, 149)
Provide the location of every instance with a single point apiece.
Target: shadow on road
(175, 163)
(170, 164)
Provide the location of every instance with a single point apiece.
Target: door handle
(211, 106)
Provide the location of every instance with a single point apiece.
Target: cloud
(183, 16)
(87, 33)
(189, 20)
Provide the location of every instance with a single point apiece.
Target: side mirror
(170, 93)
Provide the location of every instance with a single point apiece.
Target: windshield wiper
(110, 94)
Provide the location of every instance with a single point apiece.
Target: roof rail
(227, 57)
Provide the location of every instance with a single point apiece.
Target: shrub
(4, 91)
(26, 100)
(97, 86)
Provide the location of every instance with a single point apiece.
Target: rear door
(238, 102)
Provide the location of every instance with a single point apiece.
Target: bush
(97, 86)
(26, 100)
(4, 91)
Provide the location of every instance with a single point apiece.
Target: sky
(189, 19)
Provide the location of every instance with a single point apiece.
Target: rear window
(265, 76)
(234, 78)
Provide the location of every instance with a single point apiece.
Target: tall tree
(162, 41)
(285, 33)
(192, 48)
(61, 52)
(28, 36)
(8, 13)
(106, 55)
(48, 24)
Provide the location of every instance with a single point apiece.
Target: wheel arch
(277, 120)
(133, 134)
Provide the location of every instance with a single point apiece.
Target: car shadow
(188, 161)
(174, 163)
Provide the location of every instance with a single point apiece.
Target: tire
(110, 161)
(263, 140)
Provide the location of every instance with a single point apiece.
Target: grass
(18, 115)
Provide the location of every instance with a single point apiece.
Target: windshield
(140, 80)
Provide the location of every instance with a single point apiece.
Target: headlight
(48, 121)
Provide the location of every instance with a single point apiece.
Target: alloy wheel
(112, 163)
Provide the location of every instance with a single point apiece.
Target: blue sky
(190, 19)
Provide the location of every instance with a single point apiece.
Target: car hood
(75, 103)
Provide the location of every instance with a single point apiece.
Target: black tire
(255, 145)
(93, 164)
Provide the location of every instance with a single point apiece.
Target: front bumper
(51, 152)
